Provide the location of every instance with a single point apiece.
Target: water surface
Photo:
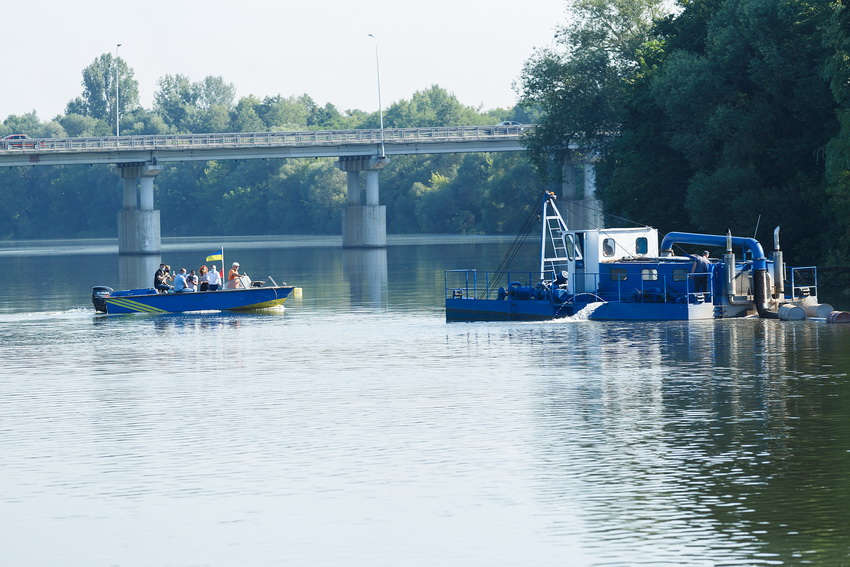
(358, 428)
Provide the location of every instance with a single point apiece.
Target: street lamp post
(380, 106)
(117, 126)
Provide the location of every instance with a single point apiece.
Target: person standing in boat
(701, 265)
(160, 279)
(234, 277)
(213, 279)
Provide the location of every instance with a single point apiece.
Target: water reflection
(508, 443)
(366, 273)
(136, 270)
(721, 435)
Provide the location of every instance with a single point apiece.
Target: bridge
(139, 160)
(260, 145)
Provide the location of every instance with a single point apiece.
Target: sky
(472, 48)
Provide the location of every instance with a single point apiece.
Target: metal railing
(706, 295)
(472, 284)
(266, 139)
(657, 290)
(809, 284)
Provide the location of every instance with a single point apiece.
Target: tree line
(707, 115)
(702, 115)
(437, 193)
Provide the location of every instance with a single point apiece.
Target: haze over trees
(709, 116)
(703, 115)
(256, 196)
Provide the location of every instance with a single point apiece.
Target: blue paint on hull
(541, 309)
(145, 301)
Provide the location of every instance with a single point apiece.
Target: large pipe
(729, 261)
(778, 267)
(759, 262)
(761, 292)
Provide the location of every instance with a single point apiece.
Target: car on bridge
(17, 142)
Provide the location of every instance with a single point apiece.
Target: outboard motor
(98, 297)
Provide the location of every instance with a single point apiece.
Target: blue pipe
(759, 260)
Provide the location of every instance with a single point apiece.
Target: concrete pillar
(129, 201)
(139, 238)
(592, 206)
(589, 181)
(581, 210)
(363, 225)
(353, 187)
(146, 192)
(569, 193)
(372, 187)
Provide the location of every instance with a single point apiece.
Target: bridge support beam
(364, 225)
(139, 236)
(583, 209)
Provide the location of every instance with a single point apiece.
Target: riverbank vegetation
(702, 115)
(440, 193)
(710, 116)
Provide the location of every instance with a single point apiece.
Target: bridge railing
(265, 139)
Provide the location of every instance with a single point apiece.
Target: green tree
(177, 100)
(580, 85)
(431, 107)
(98, 99)
(244, 117)
(838, 149)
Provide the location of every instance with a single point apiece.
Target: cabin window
(608, 247)
(619, 274)
(680, 275)
(642, 245)
(650, 274)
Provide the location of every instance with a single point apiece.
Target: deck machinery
(624, 274)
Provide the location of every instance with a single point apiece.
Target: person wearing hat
(234, 277)
(701, 265)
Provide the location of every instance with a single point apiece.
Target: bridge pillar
(353, 187)
(582, 209)
(130, 183)
(139, 239)
(363, 225)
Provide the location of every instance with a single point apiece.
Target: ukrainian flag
(216, 256)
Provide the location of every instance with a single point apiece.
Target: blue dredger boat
(619, 274)
(147, 300)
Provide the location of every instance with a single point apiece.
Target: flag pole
(222, 267)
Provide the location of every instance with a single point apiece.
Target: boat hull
(144, 301)
(541, 310)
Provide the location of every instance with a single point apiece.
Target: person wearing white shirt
(213, 279)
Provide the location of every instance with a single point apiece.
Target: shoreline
(79, 246)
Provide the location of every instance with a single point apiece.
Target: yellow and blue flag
(217, 256)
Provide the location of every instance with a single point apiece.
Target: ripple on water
(343, 432)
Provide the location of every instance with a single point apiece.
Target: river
(357, 427)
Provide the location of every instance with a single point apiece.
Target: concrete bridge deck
(258, 145)
(141, 158)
